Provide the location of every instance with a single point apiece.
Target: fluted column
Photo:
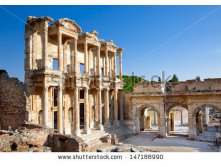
(172, 117)
(86, 112)
(75, 56)
(45, 105)
(60, 110)
(114, 67)
(45, 47)
(60, 57)
(106, 68)
(77, 113)
(116, 122)
(99, 110)
(106, 109)
(120, 65)
(85, 58)
(121, 107)
(98, 67)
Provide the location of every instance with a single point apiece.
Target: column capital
(119, 51)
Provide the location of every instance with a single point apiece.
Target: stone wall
(13, 108)
(35, 138)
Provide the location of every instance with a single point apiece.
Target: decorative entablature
(36, 24)
(65, 26)
(110, 46)
(90, 38)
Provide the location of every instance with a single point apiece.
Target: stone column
(86, 112)
(106, 108)
(116, 122)
(120, 65)
(191, 124)
(114, 68)
(45, 47)
(77, 113)
(121, 107)
(85, 58)
(148, 123)
(106, 68)
(205, 116)
(60, 57)
(181, 117)
(60, 110)
(99, 110)
(45, 105)
(75, 56)
(162, 124)
(172, 116)
(98, 69)
(155, 118)
(199, 123)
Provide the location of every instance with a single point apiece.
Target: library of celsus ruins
(71, 77)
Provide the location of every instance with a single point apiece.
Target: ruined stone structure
(13, 102)
(160, 97)
(71, 77)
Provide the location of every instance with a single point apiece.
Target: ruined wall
(13, 111)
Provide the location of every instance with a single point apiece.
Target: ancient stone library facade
(71, 77)
(73, 83)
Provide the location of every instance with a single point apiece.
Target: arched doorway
(208, 122)
(177, 121)
(149, 119)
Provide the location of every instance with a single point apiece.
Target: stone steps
(93, 139)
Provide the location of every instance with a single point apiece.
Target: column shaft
(86, 112)
(45, 105)
(106, 105)
(114, 67)
(98, 69)
(75, 56)
(148, 123)
(60, 57)
(172, 116)
(77, 113)
(99, 110)
(200, 124)
(85, 58)
(120, 66)
(60, 110)
(116, 122)
(45, 45)
(121, 106)
(106, 68)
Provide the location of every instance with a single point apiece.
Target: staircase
(93, 140)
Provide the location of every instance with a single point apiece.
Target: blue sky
(185, 40)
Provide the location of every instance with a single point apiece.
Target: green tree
(174, 78)
(198, 78)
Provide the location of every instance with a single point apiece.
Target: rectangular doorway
(81, 115)
(55, 120)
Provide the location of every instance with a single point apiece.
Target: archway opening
(149, 120)
(208, 122)
(177, 121)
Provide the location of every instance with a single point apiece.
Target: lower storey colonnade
(79, 110)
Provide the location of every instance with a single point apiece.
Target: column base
(116, 123)
(107, 125)
(77, 133)
(121, 122)
(100, 127)
(87, 131)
